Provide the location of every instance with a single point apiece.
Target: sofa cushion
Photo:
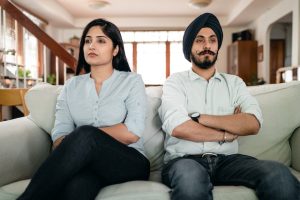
(281, 114)
(41, 102)
(153, 134)
(135, 190)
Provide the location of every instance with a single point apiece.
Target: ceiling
(146, 13)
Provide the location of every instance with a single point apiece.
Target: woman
(100, 117)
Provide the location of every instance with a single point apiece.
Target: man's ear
(116, 50)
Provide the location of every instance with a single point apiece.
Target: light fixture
(200, 3)
(97, 4)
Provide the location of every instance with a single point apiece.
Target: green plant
(21, 72)
(51, 78)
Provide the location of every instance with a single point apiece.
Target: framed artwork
(260, 53)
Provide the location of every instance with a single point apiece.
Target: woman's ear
(116, 50)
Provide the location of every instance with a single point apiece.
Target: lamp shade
(97, 4)
(200, 3)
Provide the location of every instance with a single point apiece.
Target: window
(151, 62)
(155, 54)
(129, 54)
(177, 61)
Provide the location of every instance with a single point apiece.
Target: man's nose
(206, 45)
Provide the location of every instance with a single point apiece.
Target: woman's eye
(101, 41)
(87, 41)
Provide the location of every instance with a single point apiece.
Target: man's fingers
(237, 110)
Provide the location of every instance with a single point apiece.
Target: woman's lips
(92, 54)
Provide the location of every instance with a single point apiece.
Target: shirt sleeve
(136, 104)
(64, 123)
(246, 101)
(173, 109)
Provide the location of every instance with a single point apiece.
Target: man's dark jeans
(193, 177)
(86, 160)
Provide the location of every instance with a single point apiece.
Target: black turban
(205, 20)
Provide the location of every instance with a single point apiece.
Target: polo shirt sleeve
(246, 101)
(64, 123)
(173, 109)
(136, 104)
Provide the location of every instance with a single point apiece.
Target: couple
(100, 118)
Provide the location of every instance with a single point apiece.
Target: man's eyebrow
(201, 36)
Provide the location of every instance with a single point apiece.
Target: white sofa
(25, 143)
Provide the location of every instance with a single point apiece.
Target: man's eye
(199, 40)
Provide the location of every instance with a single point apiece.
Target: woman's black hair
(119, 61)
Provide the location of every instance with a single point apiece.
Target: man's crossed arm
(214, 128)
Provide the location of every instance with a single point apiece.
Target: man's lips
(206, 52)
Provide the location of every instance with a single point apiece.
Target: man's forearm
(238, 124)
(196, 132)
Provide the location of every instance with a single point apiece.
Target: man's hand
(228, 137)
(237, 110)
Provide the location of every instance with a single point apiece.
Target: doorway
(277, 55)
(280, 45)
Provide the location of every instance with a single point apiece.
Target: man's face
(204, 51)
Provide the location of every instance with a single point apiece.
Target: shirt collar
(115, 73)
(193, 76)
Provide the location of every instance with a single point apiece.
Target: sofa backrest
(279, 104)
(281, 114)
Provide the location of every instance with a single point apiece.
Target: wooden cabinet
(74, 51)
(242, 60)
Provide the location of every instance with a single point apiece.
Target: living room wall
(262, 28)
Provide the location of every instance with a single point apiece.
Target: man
(203, 113)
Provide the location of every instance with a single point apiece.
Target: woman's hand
(57, 142)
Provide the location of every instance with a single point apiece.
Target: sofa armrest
(295, 146)
(23, 147)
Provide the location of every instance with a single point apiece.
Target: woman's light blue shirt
(122, 99)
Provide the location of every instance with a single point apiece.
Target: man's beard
(206, 64)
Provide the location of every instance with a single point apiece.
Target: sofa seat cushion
(142, 190)
(135, 190)
(13, 190)
(138, 190)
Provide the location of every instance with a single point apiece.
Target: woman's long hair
(119, 61)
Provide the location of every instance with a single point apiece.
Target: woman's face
(98, 48)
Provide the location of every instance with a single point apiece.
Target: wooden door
(277, 55)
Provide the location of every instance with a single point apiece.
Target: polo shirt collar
(193, 76)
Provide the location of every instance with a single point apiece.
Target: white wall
(227, 40)
(263, 26)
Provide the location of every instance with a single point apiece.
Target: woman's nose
(91, 46)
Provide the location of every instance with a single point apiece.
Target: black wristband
(195, 116)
